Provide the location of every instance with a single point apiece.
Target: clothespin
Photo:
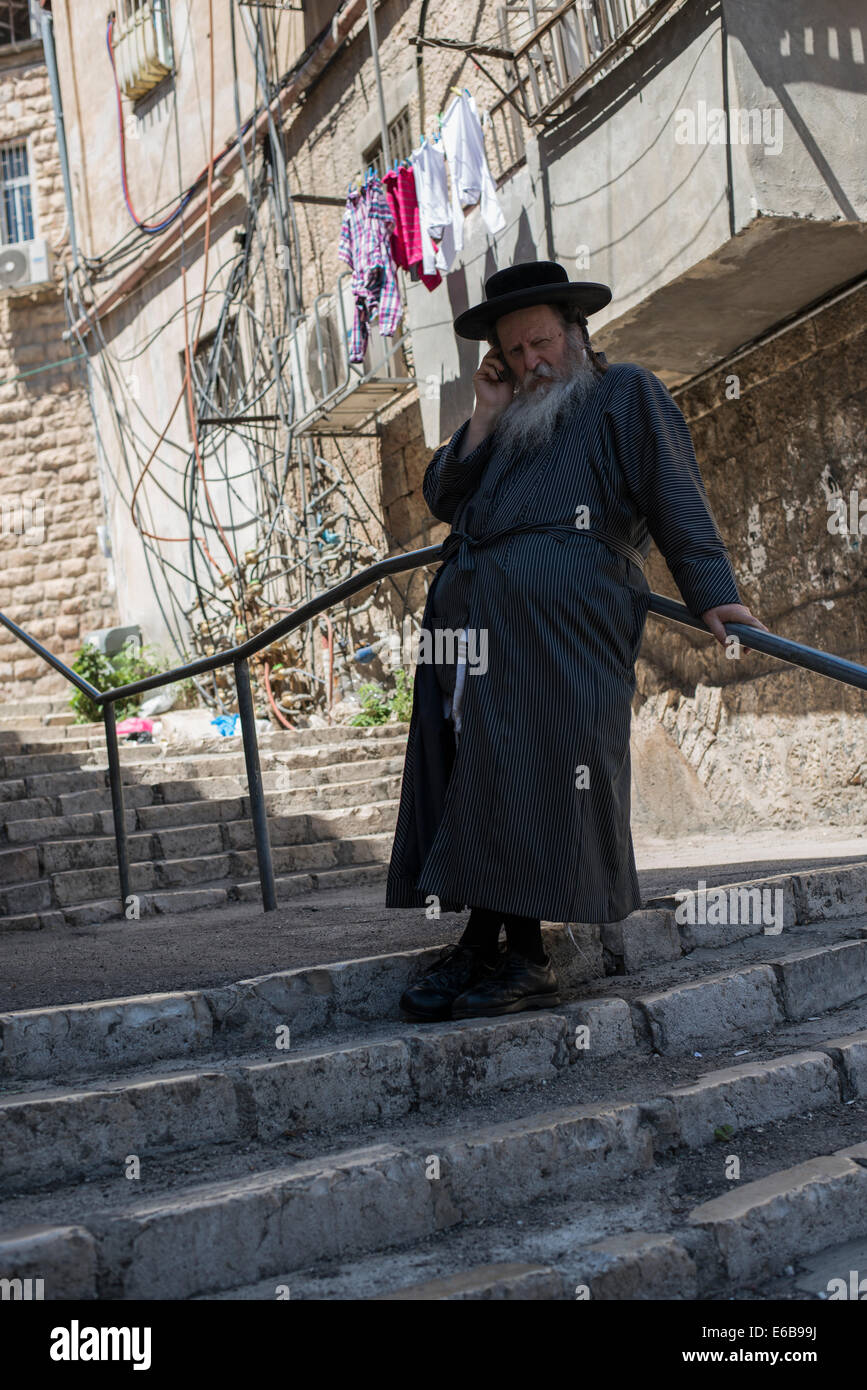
(456, 89)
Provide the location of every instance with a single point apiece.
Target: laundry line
(409, 218)
(361, 178)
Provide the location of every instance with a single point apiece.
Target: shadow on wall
(457, 396)
(793, 41)
(790, 43)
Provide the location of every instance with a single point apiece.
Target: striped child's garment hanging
(365, 246)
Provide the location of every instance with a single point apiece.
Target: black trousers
(523, 934)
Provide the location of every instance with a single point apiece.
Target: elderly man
(516, 788)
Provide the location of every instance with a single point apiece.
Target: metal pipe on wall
(383, 120)
(50, 51)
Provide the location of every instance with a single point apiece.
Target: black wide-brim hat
(522, 285)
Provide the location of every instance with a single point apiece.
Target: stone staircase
(331, 800)
(690, 1123)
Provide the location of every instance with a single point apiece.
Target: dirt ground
(210, 947)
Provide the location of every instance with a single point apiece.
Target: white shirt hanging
(434, 208)
(472, 181)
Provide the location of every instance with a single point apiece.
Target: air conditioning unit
(325, 353)
(318, 361)
(24, 265)
(142, 44)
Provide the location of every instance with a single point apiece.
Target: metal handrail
(781, 648)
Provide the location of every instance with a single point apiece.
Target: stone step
(361, 875)
(25, 898)
(506, 1280)
(383, 1072)
(725, 1248)
(325, 822)
(45, 784)
(710, 1000)
(276, 750)
(73, 887)
(28, 765)
(209, 895)
(28, 809)
(86, 897)
(97, 848)
(259, 1097)
(39, 775)
(275, 773)
(96, 797)
(188, 1237)
(25, 830)
(193, 1083)
(12, 747)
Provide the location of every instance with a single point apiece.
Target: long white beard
(530, 421)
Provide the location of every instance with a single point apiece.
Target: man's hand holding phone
(494, 386)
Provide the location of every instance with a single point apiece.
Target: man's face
(535, 347)
(552, 373)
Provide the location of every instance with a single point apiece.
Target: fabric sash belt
(461, 544)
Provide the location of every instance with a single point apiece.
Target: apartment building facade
(705, 159)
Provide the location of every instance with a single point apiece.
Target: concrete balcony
(715, 178)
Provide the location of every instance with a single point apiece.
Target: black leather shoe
(459, 968)
(516, 984)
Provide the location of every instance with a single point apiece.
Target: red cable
(273, 703)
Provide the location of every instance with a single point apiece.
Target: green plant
(723, 1132)
(401, 700)
(374, 707)
(378, 705)
(132, 663)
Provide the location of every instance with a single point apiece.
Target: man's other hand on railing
(730, 613)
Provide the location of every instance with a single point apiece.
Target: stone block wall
(779, 433)
(53, 577)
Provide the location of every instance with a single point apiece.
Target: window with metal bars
(16, 197)
(399, 143)
(217, 381)
(17, 22)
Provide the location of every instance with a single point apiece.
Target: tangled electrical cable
(248, 519)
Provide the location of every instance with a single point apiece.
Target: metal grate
(217, 372)
(15, 192)
(399, 143)
(560, 50)
(16, 22)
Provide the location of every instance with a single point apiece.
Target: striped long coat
(529, 813)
